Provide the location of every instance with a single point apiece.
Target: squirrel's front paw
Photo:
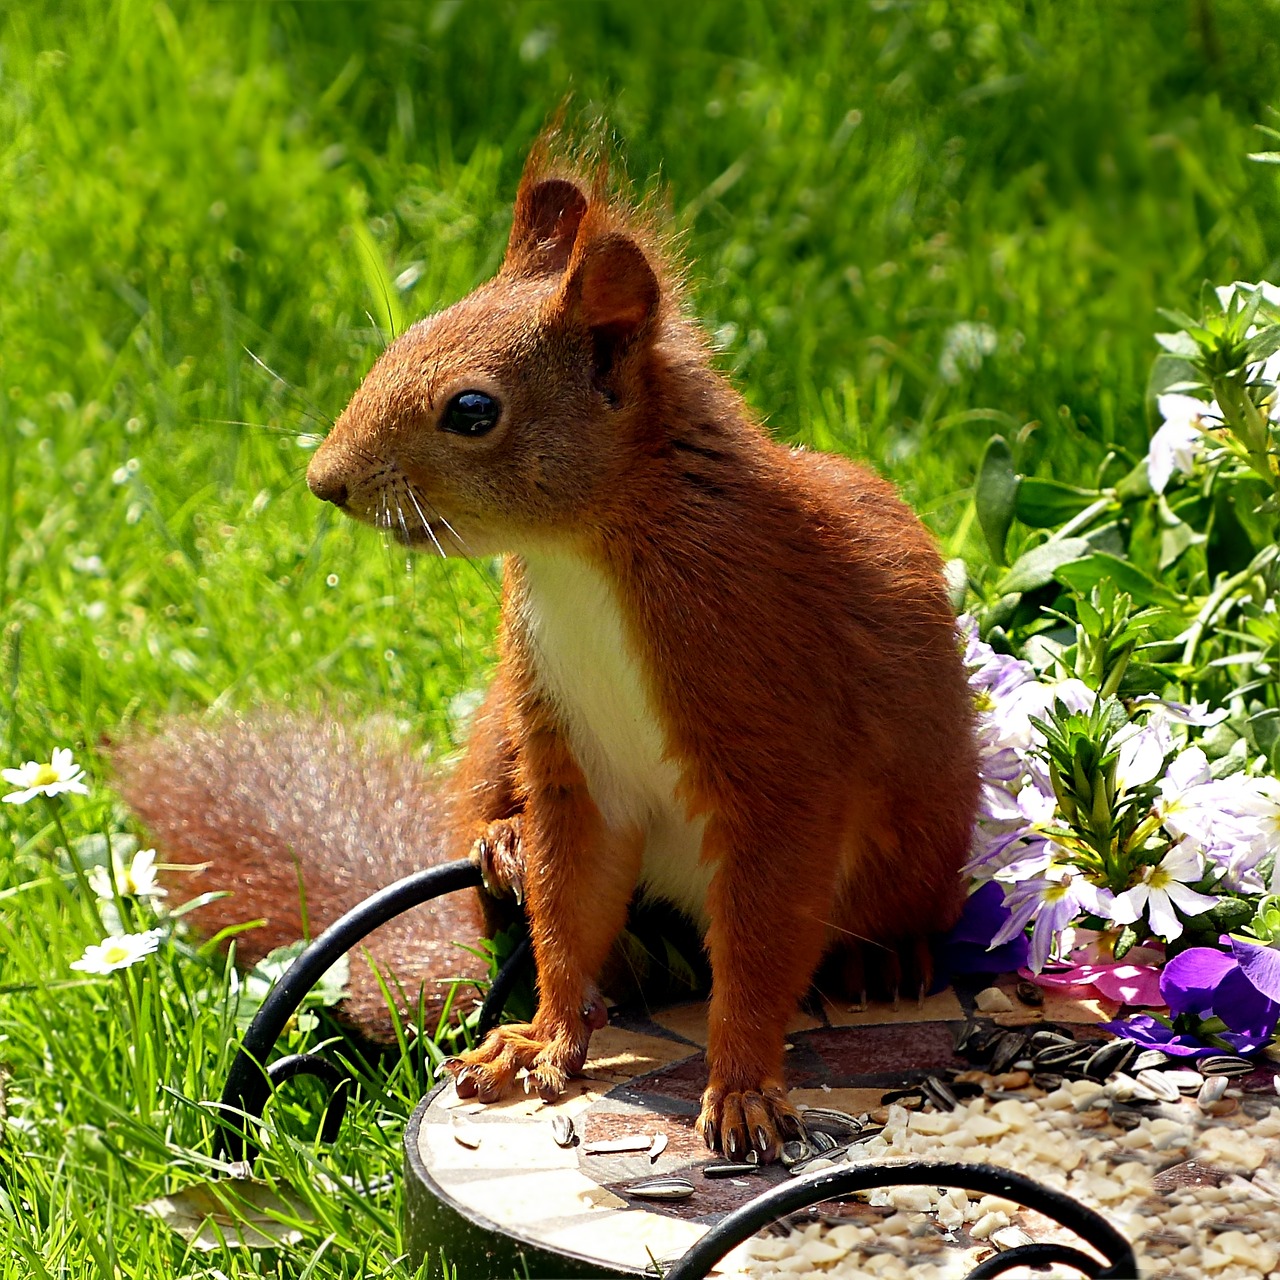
(497, 852)
(736, 1122)
(488, 1071)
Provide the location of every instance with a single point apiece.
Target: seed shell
(658, 1147)
(729, 1170)
(661, 1189)
(563, 1131)
(828, 1120)
(1158, 1086)
(616, 1146)
(1113, 1056)
(1225, 1064)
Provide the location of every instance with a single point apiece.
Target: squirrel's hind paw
(736, 1122)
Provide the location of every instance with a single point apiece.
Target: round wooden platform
(517, 1203)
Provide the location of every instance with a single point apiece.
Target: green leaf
(1083, 573)
(1045, 504)
(1136, 485)
(995, 495)
(1126, 942)
(1038, 566)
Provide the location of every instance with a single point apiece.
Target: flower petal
(1190, 979)
(1261, 965)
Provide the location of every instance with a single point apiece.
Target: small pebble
(1010, 1238)
(1011, 1080)
(992, 1000)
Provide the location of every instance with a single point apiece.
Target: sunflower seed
(938, 1092)
(1047, 1080)
(1007, 1049)
(616, 1146)
(821, 1141)
(563, 1132)
(1113, 1056)
(1154, 1082)
(1062, 1055)
(795, 1151)
(828, 1120)
(1043, 1038)
(661, 1189)
(1185, 1080)
(1148, 1060)
(1211, 1091)
(729, 1170)
(1225, 1064)
(1030, 994)
(658, 1147)
(821, 1160)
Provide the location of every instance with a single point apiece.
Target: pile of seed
(1185, 1162)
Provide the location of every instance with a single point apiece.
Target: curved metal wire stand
(828, 1184)
(249, 1083)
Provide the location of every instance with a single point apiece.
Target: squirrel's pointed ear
(548, 214)
(612, 291)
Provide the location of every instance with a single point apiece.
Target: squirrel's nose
(326, 482)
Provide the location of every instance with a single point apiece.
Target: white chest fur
(589, 669)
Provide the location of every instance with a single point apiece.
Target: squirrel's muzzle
(325, 480)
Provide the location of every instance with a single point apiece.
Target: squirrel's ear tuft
(548, 214)
(612, 291)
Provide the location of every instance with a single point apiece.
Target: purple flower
(968, 949)
(1239, 987)
(1052, 901)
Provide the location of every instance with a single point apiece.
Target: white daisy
(36, 779)
(119, 951)
(137, 880)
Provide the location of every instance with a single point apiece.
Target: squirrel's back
(287, 816)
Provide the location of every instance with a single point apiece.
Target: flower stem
(90, 898)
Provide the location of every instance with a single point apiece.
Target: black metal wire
(1035, 1255)
(828, 1184)
(248, 1083)
(312, 1064)
(501, 987)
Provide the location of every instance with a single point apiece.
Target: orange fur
(782, 612)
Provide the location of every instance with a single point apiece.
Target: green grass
(180, 184)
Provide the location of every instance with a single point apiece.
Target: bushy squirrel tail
(287, 814)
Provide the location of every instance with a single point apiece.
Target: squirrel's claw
(497, 852)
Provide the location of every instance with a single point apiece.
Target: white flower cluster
(1185, 421)
(1214, 829)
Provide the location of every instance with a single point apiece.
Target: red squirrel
(728, 672)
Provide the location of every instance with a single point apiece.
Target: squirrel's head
(499, 422)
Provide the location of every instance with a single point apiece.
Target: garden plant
(1022, 256)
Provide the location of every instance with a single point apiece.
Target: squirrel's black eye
(470, 413)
